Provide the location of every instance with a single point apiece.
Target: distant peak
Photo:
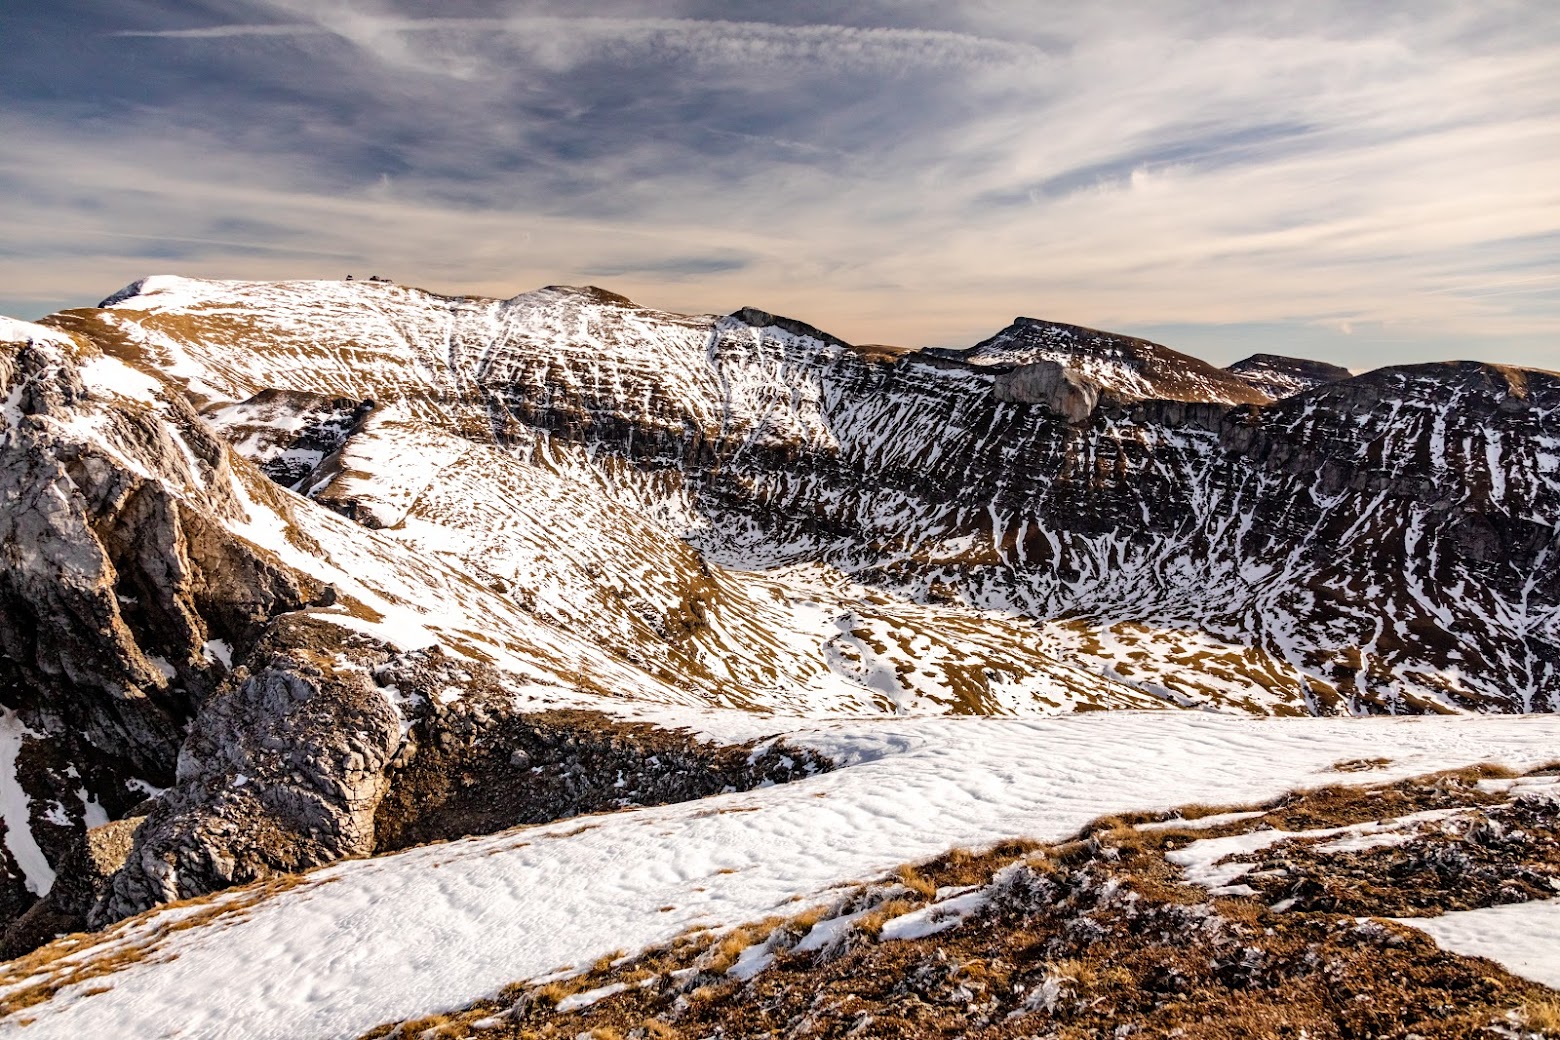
(1279, 376)
(1291, 364)
(761, 319)
(1127, 367)
(594, 293)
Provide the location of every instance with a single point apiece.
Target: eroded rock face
(1068, 393)
(123, 596)
(114, 583)
(282, 770)
(86, 873)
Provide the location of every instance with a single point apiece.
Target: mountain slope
(207, 680)
(1386, 542)
(309, 571)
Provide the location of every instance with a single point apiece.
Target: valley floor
(343, 949)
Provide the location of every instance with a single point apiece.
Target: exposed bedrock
(118, 575)
(1069, 394)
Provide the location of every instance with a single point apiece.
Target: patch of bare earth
(1103, 936)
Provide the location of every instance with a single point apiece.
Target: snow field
(436, 927)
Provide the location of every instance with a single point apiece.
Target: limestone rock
(1063, 390)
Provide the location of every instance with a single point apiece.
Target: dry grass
(554, 993)
(871, 924)
(1360, 765)
(725, 953)
(1244, 912)
(1542, 1016)
(807, 918)
(917, 882)
(1088, 976)
(607, 960)
(1201, 810)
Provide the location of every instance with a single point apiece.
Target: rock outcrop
(1068, 393)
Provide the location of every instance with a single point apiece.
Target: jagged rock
(112, 582)
(282, 770)
(84, 876)
(1066, 392)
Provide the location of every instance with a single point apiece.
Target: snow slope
(367, 941)
(1523, 938)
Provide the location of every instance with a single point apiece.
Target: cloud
(444, 44)
(223, 32)
(893, 171)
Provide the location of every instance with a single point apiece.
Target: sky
(1367, 183)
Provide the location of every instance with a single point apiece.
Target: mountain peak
(594, 293)
(1279, 376)
(762, 319)
(1125, 366)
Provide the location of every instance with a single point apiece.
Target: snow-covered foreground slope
(363, 942)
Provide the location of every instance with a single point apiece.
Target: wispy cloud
(896, 171)
(222, 32)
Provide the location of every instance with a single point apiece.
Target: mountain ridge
(583, 367)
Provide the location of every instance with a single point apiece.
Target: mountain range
(301, 571)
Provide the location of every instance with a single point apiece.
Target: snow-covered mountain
(1279, 376)
(750, 509)
(303, 571)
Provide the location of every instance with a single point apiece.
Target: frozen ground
(363, 942)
